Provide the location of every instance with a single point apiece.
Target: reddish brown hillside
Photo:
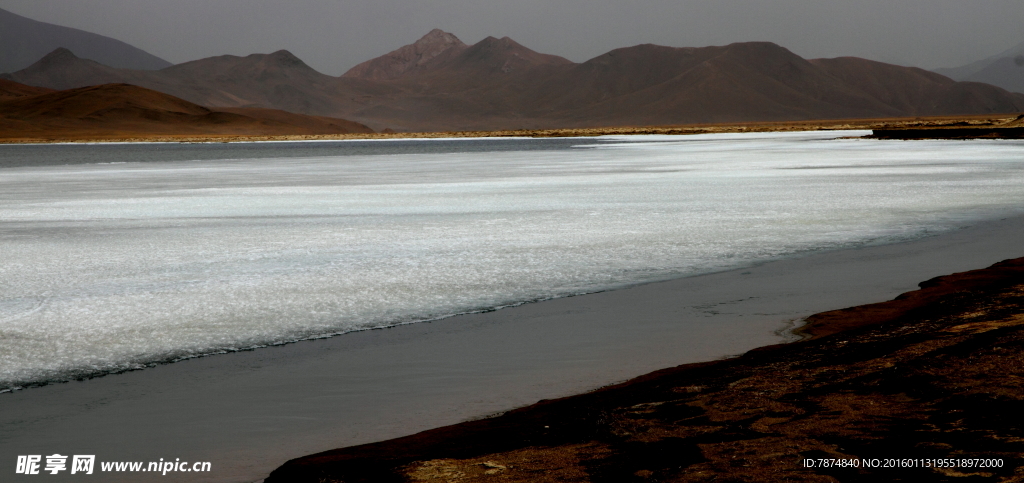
(118, 110)
(436, 45)
(115, 101)
(14, 89)
(755, 80)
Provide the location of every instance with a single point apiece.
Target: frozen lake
(127, 261)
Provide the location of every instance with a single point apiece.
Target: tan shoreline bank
(979, 121)
(933, 379)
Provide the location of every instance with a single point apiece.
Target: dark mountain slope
(62, 69)
(23, 41)
(1005, 69)
(278, 80)
(917, 92)
(1006, 72)
(713, 84)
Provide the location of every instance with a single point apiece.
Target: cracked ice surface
(106, 267)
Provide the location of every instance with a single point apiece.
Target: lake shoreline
(927, 122)
(250, 411)
(837, 395)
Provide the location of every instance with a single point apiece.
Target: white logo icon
(83, 464)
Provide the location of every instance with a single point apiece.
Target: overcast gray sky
(334, 35)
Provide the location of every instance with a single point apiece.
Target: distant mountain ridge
(1005, 69)
(23, 41)
(278, 80)
(439, 83)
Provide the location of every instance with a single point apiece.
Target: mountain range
(440, 83)
(23, 41)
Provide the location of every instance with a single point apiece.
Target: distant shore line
(963, 124)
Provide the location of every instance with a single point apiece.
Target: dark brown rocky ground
(993, 129)
(936, 373)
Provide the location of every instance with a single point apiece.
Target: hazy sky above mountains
(334, 35)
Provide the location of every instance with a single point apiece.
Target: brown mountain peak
(438, 38)
(284, 55)
(505, 55)
(437, 44)
(489, 40)
(761, 52)
(284, 58)
(496, 43)
(59, 55)
(62, 69)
